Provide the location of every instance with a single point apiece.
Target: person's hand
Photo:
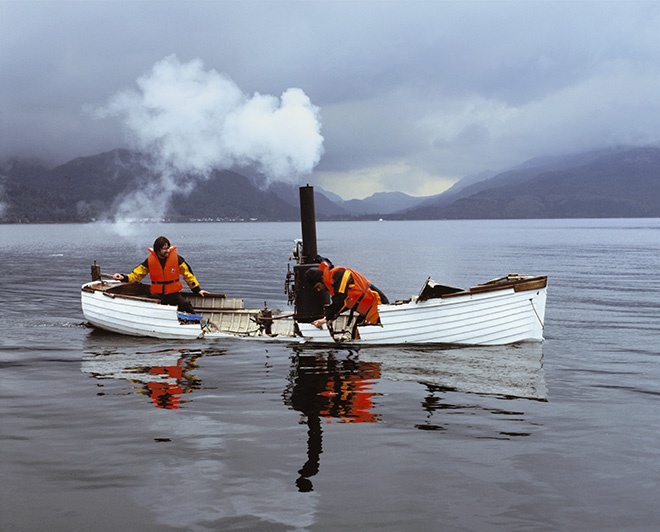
(117, 276)
(203, 293)
(319, 323)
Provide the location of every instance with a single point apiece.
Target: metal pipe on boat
(308, 302)
(96, 272)
(308, 225)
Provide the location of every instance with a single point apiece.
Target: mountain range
(615, 182)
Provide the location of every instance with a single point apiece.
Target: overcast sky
(408, 95)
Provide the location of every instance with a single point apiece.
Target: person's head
(314, 278)
(162, 247)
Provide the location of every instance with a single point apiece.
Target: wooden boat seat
(130, 289)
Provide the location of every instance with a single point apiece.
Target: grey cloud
(449, 87)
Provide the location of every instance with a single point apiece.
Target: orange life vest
(165, 280)
(359, 297)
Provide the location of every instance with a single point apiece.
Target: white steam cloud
(192, 121)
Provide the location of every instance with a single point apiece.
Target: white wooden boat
(126, 308)
(507, 310)
(503, 311)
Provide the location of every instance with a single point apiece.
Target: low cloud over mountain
(622, 182)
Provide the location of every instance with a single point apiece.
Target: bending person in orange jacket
(349, 290)
(164, 266)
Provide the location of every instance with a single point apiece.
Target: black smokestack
(309, 303)
(308, 224)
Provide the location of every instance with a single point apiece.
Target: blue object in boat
(190, 318)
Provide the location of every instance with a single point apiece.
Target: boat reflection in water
(323, 386)
(468, 392)
(493, 377)
(341, 386)
(507, 371)
(164, 376)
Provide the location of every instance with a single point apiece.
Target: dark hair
(313, 276)
(160, 243)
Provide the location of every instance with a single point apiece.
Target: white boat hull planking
(501, 312)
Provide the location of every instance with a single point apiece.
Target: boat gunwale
(518, 285)
(106, 287)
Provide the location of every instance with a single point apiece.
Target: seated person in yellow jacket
(164, 266)
(349, 290)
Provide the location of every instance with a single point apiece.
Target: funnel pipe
(308, 224)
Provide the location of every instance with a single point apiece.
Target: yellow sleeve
(188, 276)
(138, 274)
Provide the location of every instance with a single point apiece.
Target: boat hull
(492, 318)
(498, 313)
(135, 316)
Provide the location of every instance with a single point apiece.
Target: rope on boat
(531, 302)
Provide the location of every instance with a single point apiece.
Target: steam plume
(192, 121)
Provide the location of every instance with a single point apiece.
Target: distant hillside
(76, 191)
(86, 188)
(623, 182)
(465, 182)
(324, 204)
(230, 196)
(381, 203)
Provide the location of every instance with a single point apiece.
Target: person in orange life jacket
(349, 290)
(164, 266)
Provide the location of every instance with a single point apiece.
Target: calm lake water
(103, 432)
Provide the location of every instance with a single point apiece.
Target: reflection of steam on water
(192, 121)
